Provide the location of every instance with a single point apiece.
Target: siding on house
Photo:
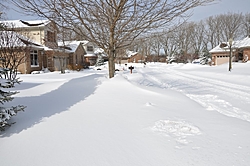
(76, 52)
(90, 56)
(137, 58)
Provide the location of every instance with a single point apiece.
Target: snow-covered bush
(6, 96)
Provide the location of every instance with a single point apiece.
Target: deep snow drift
(162, 114)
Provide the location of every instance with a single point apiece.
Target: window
(90, 48)
(34, 58)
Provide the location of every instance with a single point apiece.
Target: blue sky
(221, 7)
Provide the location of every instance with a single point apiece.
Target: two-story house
(90, 56)
(44, 33)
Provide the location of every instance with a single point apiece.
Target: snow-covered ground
(160, 115)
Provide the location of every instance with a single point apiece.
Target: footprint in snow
(179, 130)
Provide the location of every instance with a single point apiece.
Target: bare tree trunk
(111, 64)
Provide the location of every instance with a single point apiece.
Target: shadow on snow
(51, 103)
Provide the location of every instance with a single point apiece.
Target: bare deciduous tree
(246, 25)
(14, 49)
(231, 24)
(111, 24)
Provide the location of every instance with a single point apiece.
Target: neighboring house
(20, 52)
(76, 53)
(43, 32)
(135, 57)
(52, 54)
(90, 56)
(240, 52)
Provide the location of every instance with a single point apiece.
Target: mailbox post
(131, 68)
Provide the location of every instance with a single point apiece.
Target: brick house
(76, 53)
(46, 54)
(135, 57)
(240, 52)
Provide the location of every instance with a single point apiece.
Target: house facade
(90, 56)
(135, 57)
(240, 52)
(47, 54)
(19, 52)
(76, 53)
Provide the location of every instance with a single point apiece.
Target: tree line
(192, 40)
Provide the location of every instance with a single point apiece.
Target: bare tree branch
(111, 24)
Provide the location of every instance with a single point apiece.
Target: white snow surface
(160, 115)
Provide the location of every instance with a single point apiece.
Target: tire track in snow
(205, 91)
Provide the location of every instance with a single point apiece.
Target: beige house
(240, 52)
(48, 55)
(43, 32)
(19, 52)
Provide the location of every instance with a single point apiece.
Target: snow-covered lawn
(161, 115)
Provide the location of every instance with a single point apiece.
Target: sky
(221, 7)
(218, 7)
(161, 114)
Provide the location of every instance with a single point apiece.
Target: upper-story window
(34, 58)
(51, 36)
(90, 48)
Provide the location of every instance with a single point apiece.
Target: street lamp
(230, 41)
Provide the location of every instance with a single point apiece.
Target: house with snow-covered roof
(90, 55)
(135, 57)
(43, 32)
(240, 52)
(19, 52)
(128, 56)
(76, 53)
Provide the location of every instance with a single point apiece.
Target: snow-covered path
(228, 98)
(161, 115)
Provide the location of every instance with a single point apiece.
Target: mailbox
(131, 68)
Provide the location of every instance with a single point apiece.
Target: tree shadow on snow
(46, 105)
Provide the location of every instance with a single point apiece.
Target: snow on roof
(131, 53)
(24, 24)
(236, 44)
(100, 51)
(84, 42)
(71, 44)
(244, 43)
(89, 55)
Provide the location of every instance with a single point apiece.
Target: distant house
(90, 56)
(240, 52)
(135, 57)
(76, 53)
